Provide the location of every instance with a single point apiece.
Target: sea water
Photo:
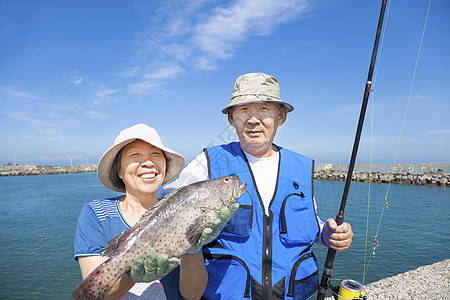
(39, 216)
(412, 229)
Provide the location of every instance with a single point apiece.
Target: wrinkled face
(256, 125)
(142, 168)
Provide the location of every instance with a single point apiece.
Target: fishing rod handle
(328, 268)
(326, 275)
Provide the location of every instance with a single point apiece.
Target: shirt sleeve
(320, 222)
(195, 171)
(90, 237)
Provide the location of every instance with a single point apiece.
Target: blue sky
(75, 73)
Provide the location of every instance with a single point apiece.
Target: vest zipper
(267, 259)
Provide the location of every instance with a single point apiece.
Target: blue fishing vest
(258, 256)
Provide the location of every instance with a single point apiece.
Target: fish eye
(226, 179)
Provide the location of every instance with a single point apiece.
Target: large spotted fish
(171, 226)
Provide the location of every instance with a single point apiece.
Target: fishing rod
(328, 268)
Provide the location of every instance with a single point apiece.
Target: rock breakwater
(438, 178)
(27, 170)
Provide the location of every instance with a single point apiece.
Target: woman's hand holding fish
(217, 225)
(154, 267)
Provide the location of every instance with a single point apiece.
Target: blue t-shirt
(100, 220)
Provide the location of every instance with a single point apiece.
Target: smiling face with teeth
(142, 169)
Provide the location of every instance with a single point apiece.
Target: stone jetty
(436, 174)
(438, 178)
(26, 170)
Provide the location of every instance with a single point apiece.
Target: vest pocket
(226, 274)
(298, 222)
(241, 222)
(303, 280)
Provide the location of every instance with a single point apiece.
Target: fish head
(219, 192)
(231, 189)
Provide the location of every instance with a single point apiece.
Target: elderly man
(264, 251)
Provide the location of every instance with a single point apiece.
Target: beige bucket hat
(174, 161)
(256, 87)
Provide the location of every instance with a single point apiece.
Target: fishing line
(385, 205)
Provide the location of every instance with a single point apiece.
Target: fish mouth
(239, 189)
(242, 189)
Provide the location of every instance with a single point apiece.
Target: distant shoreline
(434, 174)
(30, 170)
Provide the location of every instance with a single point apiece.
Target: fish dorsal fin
(151, 211)
(195, 229)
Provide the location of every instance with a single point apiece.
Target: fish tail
(97, 284)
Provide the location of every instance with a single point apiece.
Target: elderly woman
(137, 164)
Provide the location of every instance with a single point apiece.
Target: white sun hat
(174, 161)
(256, 87)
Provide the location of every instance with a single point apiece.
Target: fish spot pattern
(164, 229)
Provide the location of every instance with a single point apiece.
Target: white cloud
(131, 72)
(228, 27)
(154, 78)
(97, 115)
(163, 73)
(57, 159)
(104, 95)
(77, 80)
(422, 97)
(13, 94)
(73, 78)
(443, 131)
(46, 128)
(143, 87)
(27, 117)
(56, 138)
(198, 34)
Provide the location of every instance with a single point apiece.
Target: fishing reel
(347, 289)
